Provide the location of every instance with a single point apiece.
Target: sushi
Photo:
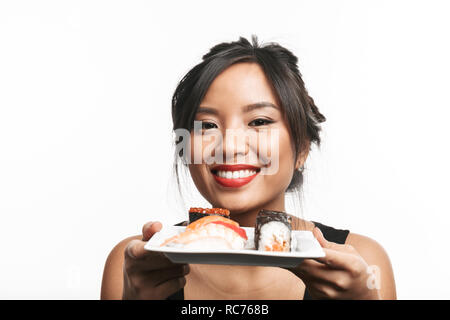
(212, 232)
(273, 231)
(197, 213)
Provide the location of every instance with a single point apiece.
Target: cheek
(275, 147)
(203, 180)
(282, 166)
(198, 174)
(286, 150)
(203, 147)
(195, 149)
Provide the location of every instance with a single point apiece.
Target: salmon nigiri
(211, 232)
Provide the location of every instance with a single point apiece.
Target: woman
(251, 88)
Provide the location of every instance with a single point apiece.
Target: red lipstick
(231, 182)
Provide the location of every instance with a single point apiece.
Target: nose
(235, 146)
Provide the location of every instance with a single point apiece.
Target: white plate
(307, 247)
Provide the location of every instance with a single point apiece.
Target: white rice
(273, 231)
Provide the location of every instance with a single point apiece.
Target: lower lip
(234, 183)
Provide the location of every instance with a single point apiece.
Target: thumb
(324, 243)
(149, 229)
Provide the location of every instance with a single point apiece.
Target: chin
(236, 208)
(238, 202)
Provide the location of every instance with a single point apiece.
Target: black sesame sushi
(273, 231)
(198, 213)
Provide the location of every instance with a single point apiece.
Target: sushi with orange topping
(210, 232)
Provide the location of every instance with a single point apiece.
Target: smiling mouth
(234, 176)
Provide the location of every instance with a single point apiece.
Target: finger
(301, 270)
(145, 230)
(323, 282)
(171, 286)
(147, 289)
(314, 271)
(308, 264)
(324, 243)
(166, 274)
(338, 259)
(150, 228)
(319, 289)
(142, 259)
(135, 250)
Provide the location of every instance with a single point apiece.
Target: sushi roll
(197, 213)
(273, 231)
(210, 232)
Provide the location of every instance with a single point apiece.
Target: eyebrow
(247, 108)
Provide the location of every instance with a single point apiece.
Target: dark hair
(280, 67)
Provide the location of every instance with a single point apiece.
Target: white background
(85, 127)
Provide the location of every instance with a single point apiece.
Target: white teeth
(235, 174)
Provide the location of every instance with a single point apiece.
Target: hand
(341, 274)
(150, 275)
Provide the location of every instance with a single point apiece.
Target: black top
(329, 233)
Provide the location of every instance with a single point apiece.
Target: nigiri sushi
(210, 232)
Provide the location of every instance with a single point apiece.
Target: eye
(208, 125)
(260, 122)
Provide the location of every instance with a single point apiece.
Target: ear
(303, 155)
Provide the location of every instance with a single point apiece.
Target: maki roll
(273, 231)
(198, 213)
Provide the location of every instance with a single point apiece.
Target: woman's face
(249, 173)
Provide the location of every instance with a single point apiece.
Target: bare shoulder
(365, 245)
(112, 281)
(377, 258)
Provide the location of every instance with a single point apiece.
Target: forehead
(240, 84)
